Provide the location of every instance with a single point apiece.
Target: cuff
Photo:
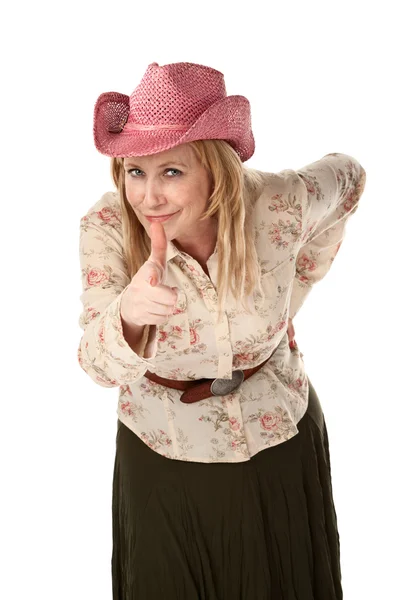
(125, 363)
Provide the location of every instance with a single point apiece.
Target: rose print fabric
(299, 225)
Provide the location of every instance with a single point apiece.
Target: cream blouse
(299, 225)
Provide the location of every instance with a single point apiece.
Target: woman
(222, 482)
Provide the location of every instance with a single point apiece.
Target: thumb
(158, 254)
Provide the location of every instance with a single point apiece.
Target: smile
(162, 218)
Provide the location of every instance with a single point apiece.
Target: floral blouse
(299, 225)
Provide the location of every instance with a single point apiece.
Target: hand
(146, 301)
(290, 331)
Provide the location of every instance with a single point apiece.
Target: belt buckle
(222, 387)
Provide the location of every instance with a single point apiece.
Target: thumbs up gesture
(146, 300)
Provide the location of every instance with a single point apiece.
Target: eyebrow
(174, 162)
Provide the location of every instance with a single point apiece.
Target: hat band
(137, 127)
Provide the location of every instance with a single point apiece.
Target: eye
(133, 174)
(130, 171)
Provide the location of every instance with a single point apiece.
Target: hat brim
(228, 119)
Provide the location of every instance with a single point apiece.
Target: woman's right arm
(104, 352)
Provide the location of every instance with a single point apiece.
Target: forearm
(138, 337)
(133, 335)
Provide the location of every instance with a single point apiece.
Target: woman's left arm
(329, 191)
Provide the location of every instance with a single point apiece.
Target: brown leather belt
(205, 388)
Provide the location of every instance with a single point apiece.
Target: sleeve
(103, 352)
(330, 190)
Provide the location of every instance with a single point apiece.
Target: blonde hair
(235, 191)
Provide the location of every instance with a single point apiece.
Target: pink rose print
(270, 421)
(309, 185)
(306, 264)
(176, 330)
(92, 313)
(101, 334)
(234, 423)
(351, 200)
(107, 214)
(297, 384)
(279, 205)
(194, 336)
(162, 336)
(126, 407)
(96, 277)
(275, 234)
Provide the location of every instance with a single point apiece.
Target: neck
(200, 248)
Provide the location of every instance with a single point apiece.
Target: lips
(158, 216)
(161, 218)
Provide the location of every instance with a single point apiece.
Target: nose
(153, 195)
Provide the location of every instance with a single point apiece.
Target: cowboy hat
(173, 104)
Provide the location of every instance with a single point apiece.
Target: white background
(321, 77)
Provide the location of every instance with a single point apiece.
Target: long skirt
(264, 529)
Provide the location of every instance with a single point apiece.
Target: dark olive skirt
(264, 529)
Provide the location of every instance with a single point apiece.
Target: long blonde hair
(235, 189)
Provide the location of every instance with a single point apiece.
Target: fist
(146, 300)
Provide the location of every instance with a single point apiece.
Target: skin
(291, 333)
(153, 190)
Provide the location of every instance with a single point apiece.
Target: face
(170, 182)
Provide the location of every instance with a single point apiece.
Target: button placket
(222, 337)
(224, 346)
(233, 408)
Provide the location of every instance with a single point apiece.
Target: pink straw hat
(173, 104)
